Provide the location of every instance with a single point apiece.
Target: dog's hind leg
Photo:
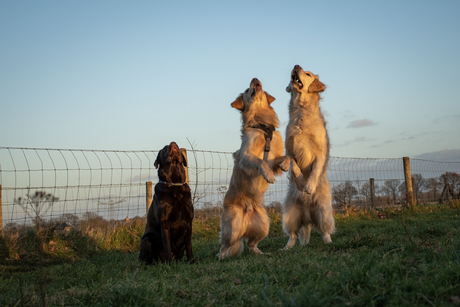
(292, 220)
(258, 226)
(148, 252)
(235, 249)
(304, 234)
(324, 218)
(230, 234)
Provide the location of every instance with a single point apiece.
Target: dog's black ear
(289, 88)
(156, 161)
(316, 87)
(270, 98)
(238, 103)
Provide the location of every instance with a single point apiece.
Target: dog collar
(171, 184)
(268, 133)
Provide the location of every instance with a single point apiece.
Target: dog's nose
(296, 67)
(255, 80)
(174, 146)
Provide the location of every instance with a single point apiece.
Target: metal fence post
(408, 179)
(184, 152)
(371, 183)
(148, 194)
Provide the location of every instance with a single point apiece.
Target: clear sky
(135, 75)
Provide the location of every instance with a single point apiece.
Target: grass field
(391, 258)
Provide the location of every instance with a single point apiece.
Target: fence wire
(65, 185)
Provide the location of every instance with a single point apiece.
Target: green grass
(399, 259)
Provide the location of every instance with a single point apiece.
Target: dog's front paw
(267, 173)
(310, 188)
(285, 164)
(270, 178)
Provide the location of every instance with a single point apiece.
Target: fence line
(111, 184)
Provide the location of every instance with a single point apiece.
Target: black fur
(168, 232)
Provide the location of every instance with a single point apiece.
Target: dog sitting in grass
(168, 232)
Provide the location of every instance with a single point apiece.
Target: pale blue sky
(139, 74)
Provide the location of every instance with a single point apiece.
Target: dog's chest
(306, 137)
(307, 130)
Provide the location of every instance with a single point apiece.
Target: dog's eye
(308, 75)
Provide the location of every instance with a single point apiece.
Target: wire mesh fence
(74, 186)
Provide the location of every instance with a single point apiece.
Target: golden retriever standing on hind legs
(256, 163)
(308, 201)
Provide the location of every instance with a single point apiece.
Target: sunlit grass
(379, 258)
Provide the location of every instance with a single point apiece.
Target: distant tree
(275, 206)
(434, 187)
(89, 215)
(402, 190)
(419, 185)
(69, 218)
(453, 179)
(365, 191)
(343, 193)
(92, 219)
(390, 188)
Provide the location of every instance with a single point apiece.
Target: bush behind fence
(80, 185)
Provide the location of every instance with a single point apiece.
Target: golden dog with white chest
(256, 163)
(308, 202)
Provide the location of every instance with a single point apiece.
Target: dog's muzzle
(295, 78)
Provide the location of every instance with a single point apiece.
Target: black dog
(168, 232)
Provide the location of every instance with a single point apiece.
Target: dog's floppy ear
(270, 98)
(156, 161)
(238, 103)
(160, 153)
(184, 161)
(316, 87)
(289, 88)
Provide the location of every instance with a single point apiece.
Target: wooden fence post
(371, 183)
(1, 214)
(148, 194)
(184, 152)
(408, 179)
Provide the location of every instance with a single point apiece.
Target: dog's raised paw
(267, 173)
(270, 178)
(285, 164)
(310, 188)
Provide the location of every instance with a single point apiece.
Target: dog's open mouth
(295, 79)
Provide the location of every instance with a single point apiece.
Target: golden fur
(308, 201)
(244, 216)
